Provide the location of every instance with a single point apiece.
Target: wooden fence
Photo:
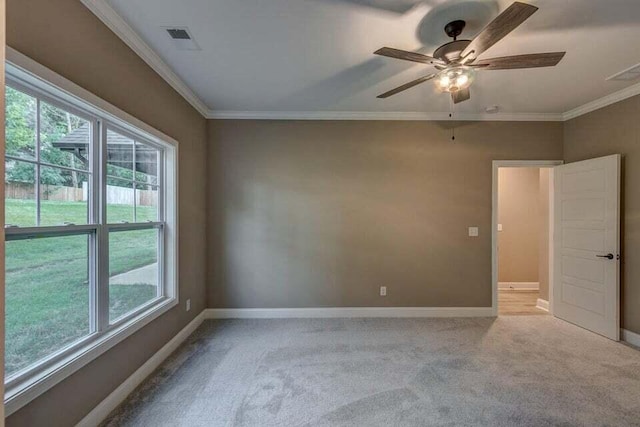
(115, 195)
(25, 191)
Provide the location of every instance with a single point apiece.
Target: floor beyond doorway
(519, 303)
(505, 371)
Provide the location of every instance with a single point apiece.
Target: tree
(20, 123)
(20, 134)
(21, 139)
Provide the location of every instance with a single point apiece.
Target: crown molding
(382, 115)
(605, 101)
(118, 25)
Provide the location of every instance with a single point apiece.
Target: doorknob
(607, 256)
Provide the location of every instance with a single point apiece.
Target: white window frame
(25, 74)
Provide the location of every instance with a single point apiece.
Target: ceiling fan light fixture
(455, 78)
(456, 60)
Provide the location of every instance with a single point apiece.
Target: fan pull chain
(452, 110)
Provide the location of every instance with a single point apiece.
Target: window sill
(20, 394)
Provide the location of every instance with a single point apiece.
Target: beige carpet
(510, 371)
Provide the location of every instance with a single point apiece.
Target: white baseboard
(630, 337)
(520, 286)
(542, 304)
(100, 412)
(333, 312)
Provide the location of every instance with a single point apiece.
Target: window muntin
(59, 190)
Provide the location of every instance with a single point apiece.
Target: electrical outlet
(188, 304)
(473, 231)
(383, 291)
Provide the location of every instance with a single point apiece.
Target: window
(90, 230)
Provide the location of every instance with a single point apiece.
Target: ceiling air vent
(627, 75)
(181, 38)
(178, 34)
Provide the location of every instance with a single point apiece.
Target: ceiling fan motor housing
(451, 51)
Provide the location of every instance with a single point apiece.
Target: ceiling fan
(456, 61)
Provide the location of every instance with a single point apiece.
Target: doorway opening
(584, 241)
(522, 267)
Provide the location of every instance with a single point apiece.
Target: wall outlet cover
(473, 231)
(383, 291)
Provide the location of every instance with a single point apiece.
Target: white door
(586, 284)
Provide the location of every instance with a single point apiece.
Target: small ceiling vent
(627, 75)
(181, 38)
(178, 34)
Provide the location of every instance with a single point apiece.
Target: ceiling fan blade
(533, 60)
(497, 29)
(461, 95)
(408, 56)
(406, 86)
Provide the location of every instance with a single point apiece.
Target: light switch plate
(473, 231)
(499, 227)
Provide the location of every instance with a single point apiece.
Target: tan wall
(66, 37)
(323, 213)
(518, 201)
(611, 130)
(543, 234)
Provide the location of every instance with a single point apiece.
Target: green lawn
(47, 292)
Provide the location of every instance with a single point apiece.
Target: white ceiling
(317, 55)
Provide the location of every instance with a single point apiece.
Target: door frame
(497, 164)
